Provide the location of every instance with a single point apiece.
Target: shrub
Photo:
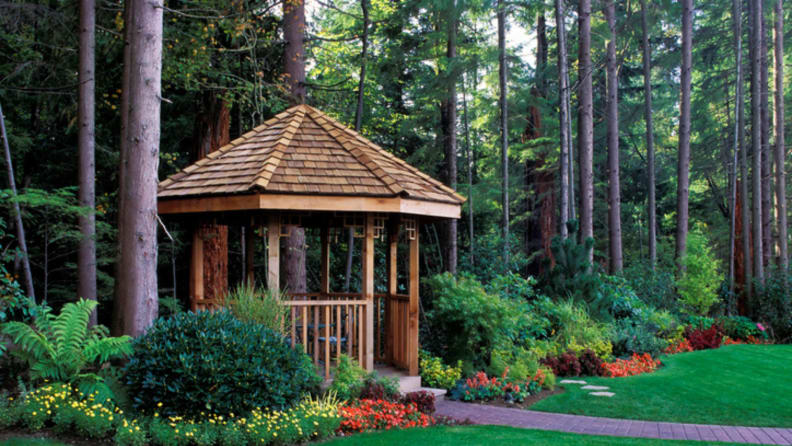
(423, 400)
(653, 286)
(571, 328)
(347, 377)
(565, 364)
(772, 304)
(375, 387)
(591, 364)
(518, 363)
(631, 336)
(212, 362)
(739, 327)
(698, 286)
(467, 323)
(436, 374)
(129, 433)
(701, 339)
(261, 306)
(67, 409)
(636, 365)
(681, 346)
(63, 348)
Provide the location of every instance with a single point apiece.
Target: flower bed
(366, 415)
(481, 387)
(634, 366)
(680, 346)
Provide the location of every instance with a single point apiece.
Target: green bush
(772, 304)
(517, 363)
(436, 374)
(263, 307)
(570, 328)
(636, 336)
(655, 287)
(347, 378)
(466, 323)
(129, 433)
(698, 286)
(63, 348)
(67, 409)
(212, 362)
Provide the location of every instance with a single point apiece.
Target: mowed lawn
(496, 436)
(748, 385)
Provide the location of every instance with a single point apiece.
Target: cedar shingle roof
(304, 151)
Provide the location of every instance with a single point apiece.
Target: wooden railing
(326, 325)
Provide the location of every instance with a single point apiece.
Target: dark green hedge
(213, 363)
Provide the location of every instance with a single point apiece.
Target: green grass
(494, 435)
(747, 385)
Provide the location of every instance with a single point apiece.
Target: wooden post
(273, 253)
(393, 284)
(196, 269)
(412, 329)
(325, 273)
(250, 249)
(367, 285)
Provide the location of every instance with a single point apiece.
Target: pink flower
(760, 326)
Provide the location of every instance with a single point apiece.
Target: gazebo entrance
(303, 168)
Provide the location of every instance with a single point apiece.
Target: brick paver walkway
(482, 414)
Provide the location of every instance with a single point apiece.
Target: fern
(63, 348)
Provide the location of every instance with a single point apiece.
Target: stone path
(482, 414)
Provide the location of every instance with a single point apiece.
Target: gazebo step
(407, 383)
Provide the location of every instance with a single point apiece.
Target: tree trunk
(450, 137)
(20, 228)
(585, 124)
(767, 167)
(650, 152)
(737, 150)
(212, 131)
(86, 257)
(136, 300)
(294, 66)
(745, 220)
(469, 161)
(780, 185)
(683, 162)
(614, 195)
(756, 137)
(563, 116)
(742, 254)
(504, 128)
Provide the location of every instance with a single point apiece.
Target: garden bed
(527, 402)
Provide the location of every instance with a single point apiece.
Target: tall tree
(614, 195)
(650, 151)
(469, 162)
(563, 116)
(504, 127)
(86, 257)
(683, 162)
(737, 149)
(136, 299)
(767, 161)
(756, 137)
(745, 220)
(364, 7)
(20, 227)
(585, 123)
(449, 112)
(294, 67)
(779, 138)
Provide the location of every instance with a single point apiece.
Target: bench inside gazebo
(302, 168)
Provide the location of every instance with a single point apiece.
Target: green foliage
(347, 378)
(513, 286)
(63, 348)
(129, 433)
(465, 321)
(516, 363)
(653, 287)
(698, 286)
(569, 327)
(14, 305)
(436, 374)
(263, 307)
(772, 303)
(738, 327)
(212, 362)
(636, 336)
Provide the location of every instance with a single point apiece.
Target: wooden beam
(250, 252)
(367, 285)
(412, 329)
(325, 273)
(273, 253)
(196, 270)
(393, 284)
(293, 202)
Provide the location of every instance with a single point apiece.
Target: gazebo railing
(329, 324)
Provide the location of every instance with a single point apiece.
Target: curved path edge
(580, 424)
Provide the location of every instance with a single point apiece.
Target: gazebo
(303, 168)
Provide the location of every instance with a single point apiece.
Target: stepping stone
(595, 387)
(608, 394)
(572, 381)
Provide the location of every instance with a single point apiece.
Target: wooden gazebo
(303, 168)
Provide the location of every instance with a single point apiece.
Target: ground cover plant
(733, 385)
(497, 435)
